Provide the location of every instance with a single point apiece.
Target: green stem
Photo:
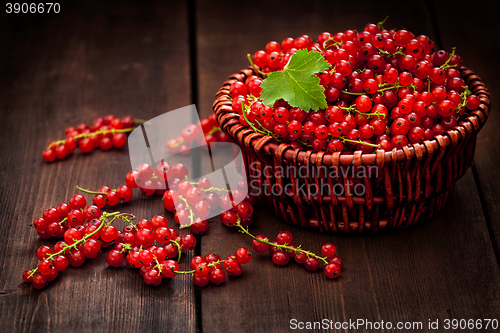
(191, 214)
(158, 265)
(215, 263)
(86, 135)
(387, 54)
(359, 142)
(381, 23)
(265, 132)
(63, 220)
(330, 39)
(463, 97)
(183, 272)
(445, 65)
(214, 129)
(284, 247)
(255, 68)
(178, 249)
(89, 191)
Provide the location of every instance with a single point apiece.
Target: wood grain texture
(99, 58)
(407, 275)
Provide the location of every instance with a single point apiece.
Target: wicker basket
(411, 184)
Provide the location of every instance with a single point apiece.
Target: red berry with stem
(244, 209)
(75, 218)
(311, 264)
(243, 255)
(201, 280)
(400, 126)
(145, 237)
(168, 268)
(92, 212)
(40, 224)
(72, 235)
(51, 215)
(26, 276)
(332, 270)
(99, 200)
(125, 193)
(146, 257)
(472, 102)
(109, 233)
(280, 258)
(201, 269)
(300, 257)
(217, 276)
(202, 209)
(446, 108)
(284, 237)
(45, 267)
(152, 278)
(260, 247)
(38, 280)
(188, 242)
(199, 226)
(77, 202)
(163, 235)
(86, 145)
(328, 250)
(130, 179)
(91, 248)
(229, 218)
(363, 103)
(159, 221)
(43, 252)
(49, 155)
(337, 260)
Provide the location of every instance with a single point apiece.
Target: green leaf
(297, 83)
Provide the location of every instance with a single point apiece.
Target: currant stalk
(284, 247)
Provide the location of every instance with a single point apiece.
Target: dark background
(146, 58)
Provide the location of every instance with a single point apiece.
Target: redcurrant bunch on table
(383, 89)
(282, 249)
(55, 221)
(105, 133)
(80, 242)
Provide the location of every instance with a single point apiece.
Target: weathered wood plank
(98, 58)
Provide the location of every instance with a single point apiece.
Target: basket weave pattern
(409, 185)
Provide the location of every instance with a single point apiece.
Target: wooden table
(148, 58)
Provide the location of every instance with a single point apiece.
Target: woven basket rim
(467, 126)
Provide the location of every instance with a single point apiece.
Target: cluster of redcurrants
(384, 89)
(105, 133)
(135, 246)
(143, 178)
(211, 267)
(83, 235)
(55, 221)
(211, 134)
(192, 202)
(282, 248)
